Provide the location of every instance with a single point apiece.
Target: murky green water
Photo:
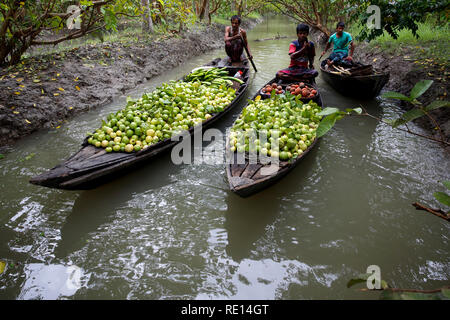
(177, 232)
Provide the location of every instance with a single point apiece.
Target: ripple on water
(265, 279)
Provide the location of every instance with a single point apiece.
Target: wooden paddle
(321, 56)
(248, 54)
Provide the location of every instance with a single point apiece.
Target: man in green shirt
(341, 41)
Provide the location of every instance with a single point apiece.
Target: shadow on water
(98, 206)
(248, 219)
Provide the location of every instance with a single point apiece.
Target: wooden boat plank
(77, 183)
(83, 153)
(266, 169)
(250, 170)
(101, 160)
(237, 169)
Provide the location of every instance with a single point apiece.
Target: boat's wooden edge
(242, 190)
(377, 74)
(49, 178)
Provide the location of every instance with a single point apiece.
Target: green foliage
(388, 293)
(22, 22)
(331, 116)
(321, 14)
(419, 89)
(442, 197)
(397, 15)
(362, 278)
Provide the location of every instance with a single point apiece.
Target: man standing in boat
(235, 40)
(342, 41)
(302, 54)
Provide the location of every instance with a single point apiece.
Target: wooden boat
(91, 166)
(361, 82)
(247, 179)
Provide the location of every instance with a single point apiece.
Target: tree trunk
(204, 11)
(207, 9)
(147, 22)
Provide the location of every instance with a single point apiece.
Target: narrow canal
(167, 231)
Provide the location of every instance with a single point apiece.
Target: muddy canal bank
(42, 92)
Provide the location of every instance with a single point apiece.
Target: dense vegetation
(24, 24)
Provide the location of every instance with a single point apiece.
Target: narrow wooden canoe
(248, 178)
(360, 86)
(91, 166)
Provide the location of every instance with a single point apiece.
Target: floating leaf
(17, 92)
(78, 88)
(2, 265)
(27, 121)
(403, 295)
(56, 94)
(16, 112)
(60, 89)
(446, 292)
(442, 198)
(446, 184)
(30, 156)
(361, 278)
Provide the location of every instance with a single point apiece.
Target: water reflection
(247, 220)
(96, 207)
